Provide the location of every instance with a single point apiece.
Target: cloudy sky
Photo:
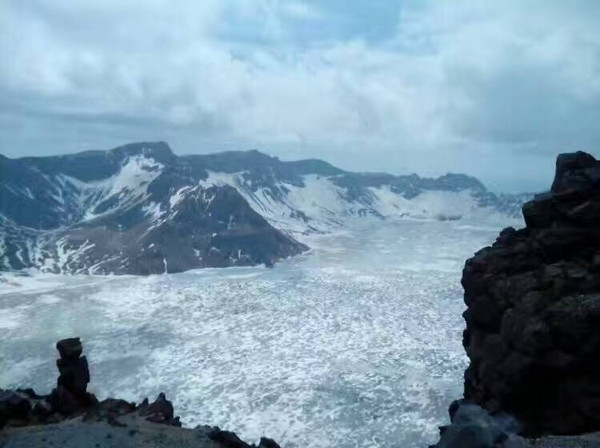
(492, 88)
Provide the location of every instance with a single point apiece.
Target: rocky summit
(71, 417)
(533, 318)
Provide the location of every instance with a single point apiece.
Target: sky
(495, 89)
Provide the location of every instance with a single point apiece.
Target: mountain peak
(575, 171)
(159, 151)
(461, 182)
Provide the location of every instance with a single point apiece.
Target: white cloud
(458, 85)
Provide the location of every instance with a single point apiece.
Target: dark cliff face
(533, 318)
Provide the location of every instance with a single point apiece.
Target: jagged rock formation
(140, 209)
(533, 318)
(71, 389)
(71, 417)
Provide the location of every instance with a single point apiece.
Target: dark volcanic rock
(109, 410)
(473, 427)
(576, 171)
(71, 417)
(229, 439)
(161, 411)
(533, 317)
(265, 442)
(70, 348)
(71, 393)
(13, 406)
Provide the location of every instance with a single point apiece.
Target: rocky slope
(132, 210)
(140, 209)
(71, 417)
(533, 321)
(533, 314)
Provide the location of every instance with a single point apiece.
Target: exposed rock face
(74, 418)
(533, 317)
(13, 405)
(473, 427)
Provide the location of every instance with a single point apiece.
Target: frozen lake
(356, 344)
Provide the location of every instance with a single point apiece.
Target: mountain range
(141, 209)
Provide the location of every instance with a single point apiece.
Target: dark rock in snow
(265, 442)
(576, 171)
(160, 411)
(474, 427)
(227, 438)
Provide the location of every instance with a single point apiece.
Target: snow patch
(153, 210)
(126, 188)
(320, 206)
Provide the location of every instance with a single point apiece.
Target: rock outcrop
(533, 318)
(71, 392)
(71, 417)
(473, 427)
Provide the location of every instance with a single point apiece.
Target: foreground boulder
(473, 427)
(533, 319)
(14, 405)
(71, 417)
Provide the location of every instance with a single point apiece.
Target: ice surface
(354, 344)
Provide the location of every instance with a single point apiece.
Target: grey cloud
(495, 89)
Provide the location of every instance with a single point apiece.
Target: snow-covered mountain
(141, 209)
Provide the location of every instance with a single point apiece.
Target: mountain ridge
(141, 209)
(161, 151)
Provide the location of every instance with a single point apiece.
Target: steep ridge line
(140, 209)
